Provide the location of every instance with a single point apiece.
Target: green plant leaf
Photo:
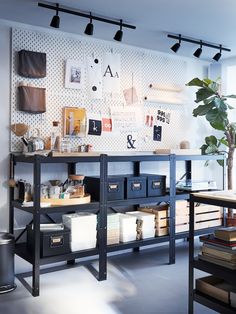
(207, 81)
(230, 96)
(220, 104)
(203, 93)
(203, 149)
(196, 82)
(224, 141)
(214, 86)
(230, 107)
(202, 110)
(221, 162)
(211, 140)
(217, 119)
(212, 149)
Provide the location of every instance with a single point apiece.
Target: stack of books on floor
(113, 228)
(220, 248)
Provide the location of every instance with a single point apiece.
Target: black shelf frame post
(71, 169)
(172, 171)
(102, 221)
(191, 255)
(36, 226)
(11, 195)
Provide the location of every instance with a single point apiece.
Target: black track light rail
(82, 14)
(198, 42)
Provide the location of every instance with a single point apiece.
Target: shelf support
(36, 219)
(191, 254)
(172, 208)
(102, 221)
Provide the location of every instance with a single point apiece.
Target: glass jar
(66, 145)
(76, 185)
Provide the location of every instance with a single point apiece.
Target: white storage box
(127, 228)
(83, 228)
(147, 225)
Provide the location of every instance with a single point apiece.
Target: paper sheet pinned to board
(126, 118)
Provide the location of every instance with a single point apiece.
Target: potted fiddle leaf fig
(216, 111)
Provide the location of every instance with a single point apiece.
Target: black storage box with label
(52, 242)
(115, 187)
(136, 187)
(156, 185)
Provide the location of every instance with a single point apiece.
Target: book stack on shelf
(220, 248)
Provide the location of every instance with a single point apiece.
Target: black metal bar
(136, 167)
(191, 255)
(198, 42)
(71, 168)
(11, 195)
(172, 172)
(102, 222)
(22, 232)
(188, 170)
(86, 15)
(36, 226)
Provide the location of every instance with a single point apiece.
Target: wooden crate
(181, 208)
(181, 228)
(161, 231)
(208, 224)
(181, 219)
(207, 216)
(206, 209)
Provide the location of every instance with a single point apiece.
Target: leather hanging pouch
(31, 64)
(31, 99)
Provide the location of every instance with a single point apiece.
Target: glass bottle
(55, 136)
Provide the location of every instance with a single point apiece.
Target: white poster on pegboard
(127, 118)
(111, 73)
(94, 82)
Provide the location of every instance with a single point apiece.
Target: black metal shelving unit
(100, 207)
(37, 211)
(195, 263)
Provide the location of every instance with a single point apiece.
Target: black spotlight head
(175, 47)
(55, 21)
(198, 52)
(217, 56)
(89, 29)
(118, 36)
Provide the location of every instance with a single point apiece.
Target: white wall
(195, 129)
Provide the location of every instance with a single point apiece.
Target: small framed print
(74, 74)
(74, 122)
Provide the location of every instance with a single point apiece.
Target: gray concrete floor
(141, 283)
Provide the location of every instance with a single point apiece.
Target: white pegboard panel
(139, 68)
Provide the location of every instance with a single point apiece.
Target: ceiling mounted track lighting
(176, 46)
(89, 28)
(198, 52)
(217, 56)
(119, 34)
(56, 19)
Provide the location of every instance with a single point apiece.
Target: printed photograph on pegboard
(74, 74)
(157, 133)
(94, 125)
(74, 122)
(106, 124)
